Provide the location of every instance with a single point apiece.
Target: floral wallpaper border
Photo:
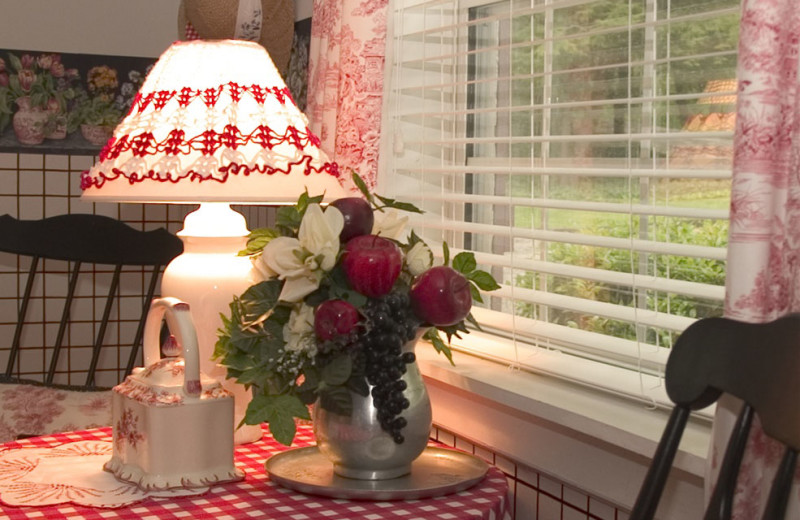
(62, 100)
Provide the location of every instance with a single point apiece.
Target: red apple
(335, 318)
(441, 296)
(371, 264)
(358, 217)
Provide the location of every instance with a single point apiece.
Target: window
(582, 149)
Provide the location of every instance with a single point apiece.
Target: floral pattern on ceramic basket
(148, 385)
(343, 290)
(27, 410)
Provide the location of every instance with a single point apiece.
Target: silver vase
(358, 446)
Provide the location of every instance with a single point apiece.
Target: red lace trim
(330, 168)
(210, 96)
(208, 142)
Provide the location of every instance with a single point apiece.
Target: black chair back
(758, 363)
(84, 240)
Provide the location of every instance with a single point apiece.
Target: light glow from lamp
(215, 124)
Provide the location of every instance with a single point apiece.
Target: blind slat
(637, 281)
(508, 166)
(693, 137)
(577, 205)
(633, 244)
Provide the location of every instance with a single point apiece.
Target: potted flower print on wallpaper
(34, 96)
(50, 97)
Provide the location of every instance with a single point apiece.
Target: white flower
(389, 224)
(298, 333)
(302, 261)
(419, 259)
(261, 267)
(319, 233)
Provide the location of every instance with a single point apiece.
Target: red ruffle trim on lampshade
(330, 168)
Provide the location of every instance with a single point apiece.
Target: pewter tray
(438, 471)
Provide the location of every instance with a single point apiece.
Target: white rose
(389, 224)
(419, 259)
(298, 333)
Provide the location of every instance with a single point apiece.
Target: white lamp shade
(213, 122)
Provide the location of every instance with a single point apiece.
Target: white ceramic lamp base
(207, 276)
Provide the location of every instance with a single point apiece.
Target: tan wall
(113, 27)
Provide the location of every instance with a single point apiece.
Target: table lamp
(214, 124)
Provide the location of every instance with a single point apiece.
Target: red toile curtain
(345, 85)
(764, 250)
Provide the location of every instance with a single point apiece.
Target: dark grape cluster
(391, 324)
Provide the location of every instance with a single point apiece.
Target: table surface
(257, 497)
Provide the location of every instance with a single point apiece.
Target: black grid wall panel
(532, 494)
(34, 186)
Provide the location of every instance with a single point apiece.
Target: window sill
(516, 413)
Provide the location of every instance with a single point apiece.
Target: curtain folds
(345, 82)
(764, 248)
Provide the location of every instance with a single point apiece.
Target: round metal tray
(438, 471)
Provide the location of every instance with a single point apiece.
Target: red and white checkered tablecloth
(256, 497)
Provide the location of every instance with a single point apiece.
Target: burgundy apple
(441, 296)
(335, 318)
(371, 264)
(358, 217)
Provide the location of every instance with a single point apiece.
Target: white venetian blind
(582, 149)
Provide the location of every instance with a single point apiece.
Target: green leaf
(453, 330)
(259, 299)
(302, 202)
(362, 186)
(318, 296)
(279, 411)
(446, 253)
(288, 220)
(483, 280)
(464, 262)
(258, 239)
(305, 200)
(311, 382)
(402, 206)
(470, 318)
(433, 336)
(413, 238)
(476, 294)
(339, 288)
(269, 340)
(338, 370)
(253, 375)
(238, 361)
(280, 314)
(16, 63)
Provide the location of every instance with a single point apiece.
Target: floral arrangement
(341, 294)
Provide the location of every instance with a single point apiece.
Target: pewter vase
(358, 446)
